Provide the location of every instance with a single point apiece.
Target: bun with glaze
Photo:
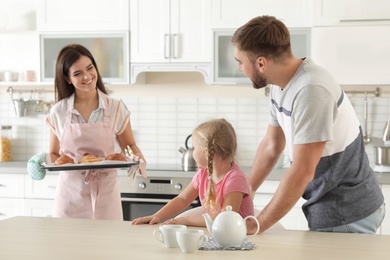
(63, 159)
(89, 158)
(116, 157)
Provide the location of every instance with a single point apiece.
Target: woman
(85, 120)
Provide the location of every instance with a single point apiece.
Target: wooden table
(52, 238)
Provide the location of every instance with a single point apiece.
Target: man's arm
(292, 185)
(268, 153)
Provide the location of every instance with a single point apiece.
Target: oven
(145, 196)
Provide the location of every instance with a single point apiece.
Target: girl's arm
(172, 208)
(233, 199)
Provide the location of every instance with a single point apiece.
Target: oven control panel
(153, 185)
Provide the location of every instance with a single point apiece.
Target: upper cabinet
(170, 31)
(351, 12)
(85, 15)
(227, 14)
(170, 35)
(355, 55)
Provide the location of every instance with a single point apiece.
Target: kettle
(187, 161)
(229, 228)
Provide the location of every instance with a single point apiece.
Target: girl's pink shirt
(234, 180)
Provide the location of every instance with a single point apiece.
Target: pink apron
(88, 194)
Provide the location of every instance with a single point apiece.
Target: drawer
(12, 185)
(43, 189)
(39, 207)
(268, 187)
(11, 207)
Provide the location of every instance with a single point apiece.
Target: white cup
(30, 75)
(166, 234)
(283, 161)
(190, 240)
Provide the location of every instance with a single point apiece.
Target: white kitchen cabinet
(385, 227)
(11, 195)
(354, 55)
(85, 15)
(351, 12)
(170, 31)
(43, 189)
(170, 35)
(11, 207)
(228, 14)
(39, 196)
(39, 207)
(294, 219)
(11, 185)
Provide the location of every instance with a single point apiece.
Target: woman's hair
(263, 36)
(67, 56)
(219, 137)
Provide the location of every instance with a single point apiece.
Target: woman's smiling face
(82, 74)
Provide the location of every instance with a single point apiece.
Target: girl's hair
(219, 137)
(263, 36)
(67, 56)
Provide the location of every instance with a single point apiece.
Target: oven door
(140, 205)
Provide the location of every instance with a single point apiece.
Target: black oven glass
(134, 209)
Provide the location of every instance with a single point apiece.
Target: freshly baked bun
(116, 157)
(89, 158)
(63, 159)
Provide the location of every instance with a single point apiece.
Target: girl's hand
(145, 220)
(176, 221)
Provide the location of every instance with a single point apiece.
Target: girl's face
(199, 153)
(83, 75)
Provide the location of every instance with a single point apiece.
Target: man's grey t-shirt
(313, 108)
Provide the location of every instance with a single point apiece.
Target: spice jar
(5, 143)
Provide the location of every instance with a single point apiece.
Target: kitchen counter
(52, 238)
(165, 170)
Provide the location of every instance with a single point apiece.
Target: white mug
(190, 240)
(283, 161)
(166, 234)
(30, 75)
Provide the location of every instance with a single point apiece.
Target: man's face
(250, 69)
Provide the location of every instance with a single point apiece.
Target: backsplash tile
(161, 124)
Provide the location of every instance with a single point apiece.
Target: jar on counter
(5, 144)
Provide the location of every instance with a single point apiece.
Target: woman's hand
(145, 220)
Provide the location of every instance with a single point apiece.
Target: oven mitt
(34, 168)
(136, 168)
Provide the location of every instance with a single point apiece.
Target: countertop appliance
(145, 196)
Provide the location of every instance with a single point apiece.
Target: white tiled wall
(162, 123)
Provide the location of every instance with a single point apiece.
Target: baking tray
(106, 164)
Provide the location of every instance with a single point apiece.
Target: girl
(86, 120)
(219, 181)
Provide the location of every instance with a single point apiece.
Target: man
(312, 116)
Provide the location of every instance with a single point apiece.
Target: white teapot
(229, 228)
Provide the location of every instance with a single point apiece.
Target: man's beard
(259, 81)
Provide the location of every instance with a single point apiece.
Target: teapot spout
(209, 222)
(182, 150)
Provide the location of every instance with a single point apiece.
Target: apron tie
(92, 179)
(91, 175)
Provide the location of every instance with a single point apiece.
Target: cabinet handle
(167, 45)
(51, 187)
(364, 20)
(265, 193)
(175, 47)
